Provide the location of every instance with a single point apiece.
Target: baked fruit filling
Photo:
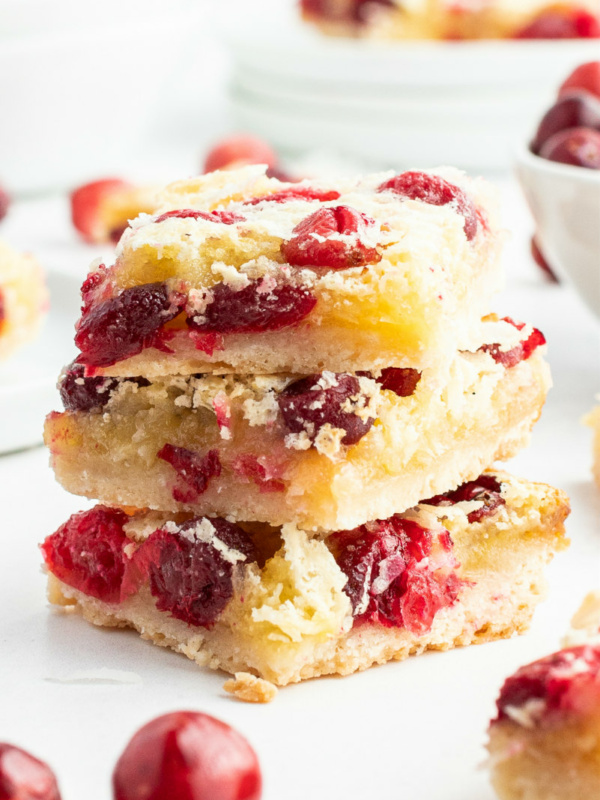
(23, 299)
(330, 450)
(284, 604)
(240, 272)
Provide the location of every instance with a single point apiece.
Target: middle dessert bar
(328, 451)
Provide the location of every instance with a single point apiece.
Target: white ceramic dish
(28, 379)
(565, 203)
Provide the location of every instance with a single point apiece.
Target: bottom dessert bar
(457, 569)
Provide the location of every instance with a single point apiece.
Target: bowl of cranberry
(560, 175)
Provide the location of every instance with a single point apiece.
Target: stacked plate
(391, 104)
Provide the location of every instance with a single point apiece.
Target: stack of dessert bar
(286, 401)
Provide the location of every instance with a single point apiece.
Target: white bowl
(565, 203)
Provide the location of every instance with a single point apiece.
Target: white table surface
(408, 730)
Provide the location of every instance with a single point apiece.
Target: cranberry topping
(520, 352)
(579, 147)
(192, 577)
(562, 680)
(314, 241)
(399, 574)
(437, 192)
(87, 552)
(562, 24)
(194, 471)
(79, 393)
(226, 217)
(486, 489)
(310, 403)
(263, 305)
(261, 470)
(295, 193)
(585, 77)
(94, 287)
(187, 755)
(401, 381)
(124, 325)
(5, 201)
(23, 777)
(576, 110)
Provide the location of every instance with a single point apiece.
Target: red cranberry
(239, 150)
(310, 403)
(521, 352)
(86, 207)
(562, 24)
(263, 305)
(5, 201)
(357, 11)
(540, 260)
(401, 381)
(555, 679)
(295, 193)
(399, 574)
(579, 147)
(95, 288)
(23, 777)
(312, 244)
(486, 488)
(586, 77)
(87, 552)
(124, 325)
(79, 393)
(225, 217)
(189, 577)
(262, 471)
(577, 110)
(186, 755)
(193, 470)
(437, 192)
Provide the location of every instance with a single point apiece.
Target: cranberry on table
(23, 777)
(575, 110)
(86, 207)
(239, 150)
(585, 77)
(579, 147)
(187, 755)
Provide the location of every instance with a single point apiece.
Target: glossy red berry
(558, 23)
(576, 110)
(87, 204)
(579, 147)
(23, 777)
(239, 150)
(586, 77)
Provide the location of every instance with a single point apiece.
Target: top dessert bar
(237, 272)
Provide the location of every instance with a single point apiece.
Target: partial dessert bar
(593, 419)
(329, 451)
(23, 299)
(241, 273)
(460, 568)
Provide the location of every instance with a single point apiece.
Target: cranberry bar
(459, 568)
(329, 451)
(241, 273)
(23, 299)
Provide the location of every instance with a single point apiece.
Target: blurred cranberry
(5, 201)
(575, 110)
(187, 755)
(87, 208)
(586, 77)
(238, 151)
(540, 260)
(579, 147)
(23, 777)
(562, 23)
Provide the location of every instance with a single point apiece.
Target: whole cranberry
(23, 777)
(239, 150)
(187, 755)
(586, 77)
(562, 23)
(579, 147)
(577, 110)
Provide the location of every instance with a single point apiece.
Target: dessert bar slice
(330, 451)
(545, 742)
(593, 419)
(459, 568)
(238, 272)
(23, 298)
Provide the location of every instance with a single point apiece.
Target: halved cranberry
(437, 192)
(520, 352)
(557, 23)
(239, 150)
(87, 552)
(226, 217)
(193, 470)
(557, 679)
(310, 403)
(576, 110)
(315, 241)
(579, 147)
(192, 577)
(187, 755)
(261, 470)
(585, 77)
(399, 573)
(124, 325)
(5, 201)
(23, 777)
(486, 489)
(295, 193)
(264, 305)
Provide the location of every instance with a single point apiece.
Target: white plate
(28, 379)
